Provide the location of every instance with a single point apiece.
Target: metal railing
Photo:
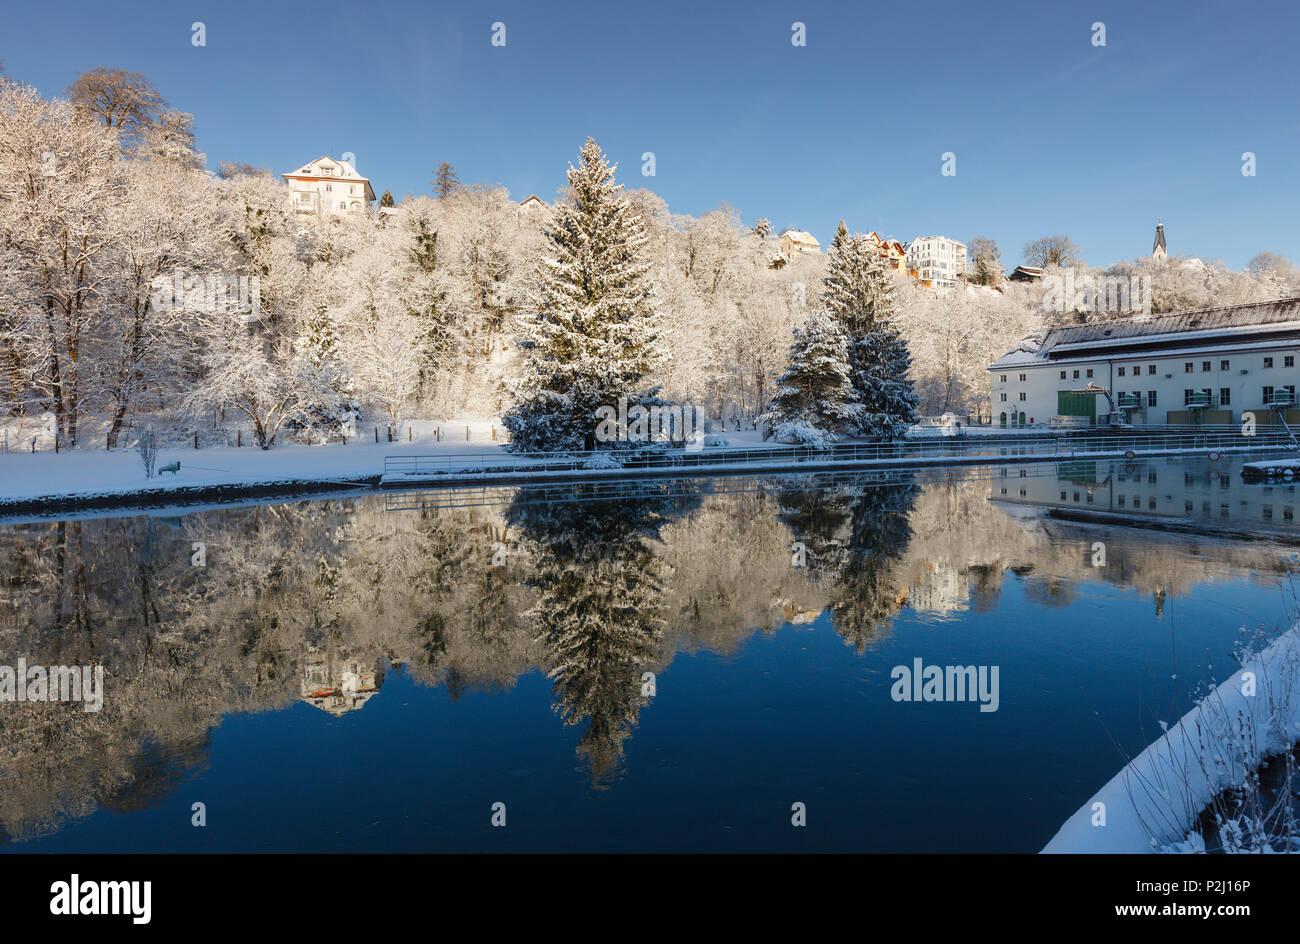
(920, 450)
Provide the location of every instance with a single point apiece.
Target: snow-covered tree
(814, 402)
(318, 342)
(168, 222)
(859, 292)
(986, 262)
(593, 338)
(59, 178)
(385, 342)
(266, 381)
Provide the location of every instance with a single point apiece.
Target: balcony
(1197, 401)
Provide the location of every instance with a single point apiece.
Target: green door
(1077, 404)
(1022, 419)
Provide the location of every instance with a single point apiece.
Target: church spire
(1158, 251)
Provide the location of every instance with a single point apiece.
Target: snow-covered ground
(88, 473)
(1153, 803)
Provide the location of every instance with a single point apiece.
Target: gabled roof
(1160, 237)
(338, 170)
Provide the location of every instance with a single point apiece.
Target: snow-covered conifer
(594, 336)
(814, 401)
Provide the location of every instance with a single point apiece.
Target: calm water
(374, 673)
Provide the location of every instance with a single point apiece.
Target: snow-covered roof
(1174, 332)
(327, 167)
(801, 236)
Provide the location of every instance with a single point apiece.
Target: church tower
(1158, 251)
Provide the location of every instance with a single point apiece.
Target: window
(1118, 498)
(354, 188)
(1223, 365)
(1187, 368)
(1225, 396)
(1076, 375)
(1002, 379)
(1288, 513)
(1268, 362)
(1205, 365)
(1120, 372)
(1151, 503)
(1187, 396)
(1151, 370)
(1062, 375)
(1137, 369)
(329, 187)
(1088, 373)
(1151, 398)
(1022, 396)
(1288, 361)
(1268, 395)
(1004, 398)
(1022, 378)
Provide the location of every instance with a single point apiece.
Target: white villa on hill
(329, 187)
(936, 261)
(1197, 367)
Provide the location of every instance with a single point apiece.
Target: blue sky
(1050, 133)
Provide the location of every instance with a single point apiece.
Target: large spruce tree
(593, 337)
(858, 291)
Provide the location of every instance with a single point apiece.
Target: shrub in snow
(602, 461)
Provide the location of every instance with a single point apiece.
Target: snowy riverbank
(48, 482)
(1153, 803)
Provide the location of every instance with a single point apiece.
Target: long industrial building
(1205, 366)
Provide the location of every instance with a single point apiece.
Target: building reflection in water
(338, 683)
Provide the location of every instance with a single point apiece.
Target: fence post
(239, 438)
(376, 434)
(466, 434)
(196, 439)
(408, 434)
